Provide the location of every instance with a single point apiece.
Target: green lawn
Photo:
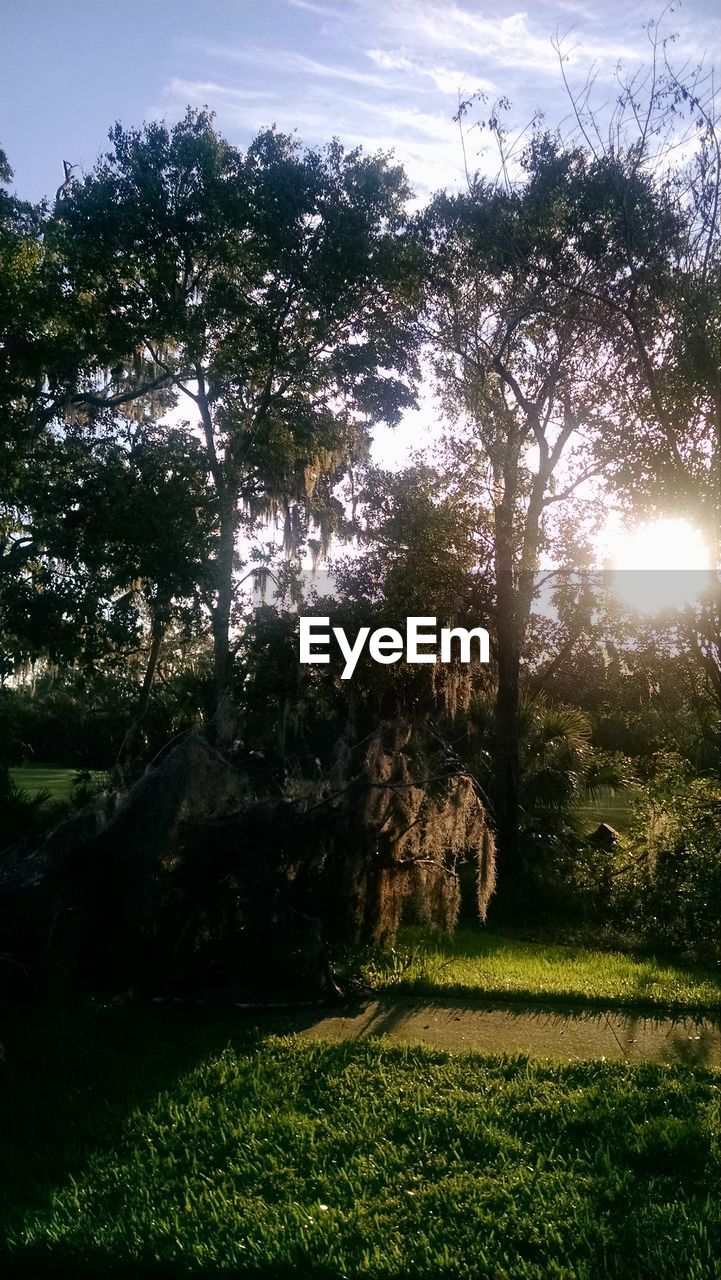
(492, 965)
(47, 777)
(613, 807)
(152, 1143)
(41, 777)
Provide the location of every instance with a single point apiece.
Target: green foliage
(679, 832)
(132, 507)
(80, 719)
(559, 769)
(26, 318)
(70, 722)
(23, 812)
(285, 236)
(421, 540)
(273, 291)
(35, 798)
(661, 882)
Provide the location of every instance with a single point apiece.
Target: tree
(135, 514)
(650, 201)
(575, 309)
(519, 368)
(652, 195)
(272, 290)
(22, 312)
(21, 318)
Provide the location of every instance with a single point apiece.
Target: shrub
(683, 842)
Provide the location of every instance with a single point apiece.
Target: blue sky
(384, 73)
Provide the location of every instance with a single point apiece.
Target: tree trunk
(225, 479)
(224, 602)
(157, 634)
(514, 598)
(132, 744)
(506, 767)
(506, 743)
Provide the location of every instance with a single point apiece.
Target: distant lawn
(43, 777)
(483, 963)
(613, 807)
(149, 1140)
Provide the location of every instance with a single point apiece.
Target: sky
(377, 73)
(381, 73)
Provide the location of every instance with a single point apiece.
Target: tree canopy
(198, 344)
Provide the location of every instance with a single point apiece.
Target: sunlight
(659, 565)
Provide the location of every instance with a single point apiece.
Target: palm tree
(559, 770)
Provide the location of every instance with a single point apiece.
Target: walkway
(545, 1031)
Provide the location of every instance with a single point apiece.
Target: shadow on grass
(66, 1264)
(69, 1084)
(68, 1081)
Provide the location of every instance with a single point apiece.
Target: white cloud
(388, 75)
(391, 61)
(427, 144)
(504, 38)
(448, 80)
(326, 11)
(498, 34)
(288, 60)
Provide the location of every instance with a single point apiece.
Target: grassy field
(152, 1143)
(614, 807)
(488, 964)
(40, 777)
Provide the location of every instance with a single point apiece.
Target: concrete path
(545, 1031)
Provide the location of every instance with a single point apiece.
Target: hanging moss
(420, 822)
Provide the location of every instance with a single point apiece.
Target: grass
(152, 1143)
(493, 965)
(40, 777)
(613, 807)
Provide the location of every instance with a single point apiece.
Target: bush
(660, 885)
(683, 843)
(61, 722)
(662, 882)
(23, 814)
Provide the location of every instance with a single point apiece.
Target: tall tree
(650, 204)
(271, 289)
(134, 514)
(651, 198)
(519, 369)
(21, 319)
(576, 310)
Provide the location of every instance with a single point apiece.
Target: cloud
(325, 11)
(245, 109)
(378, 108)
(387, 75)
(505, 38)
(288, 60)
(497, 35)
(425, 142)
(448, 80)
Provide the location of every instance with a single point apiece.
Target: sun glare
(659, 565)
